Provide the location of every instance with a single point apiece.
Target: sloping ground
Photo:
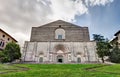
(8, 68)
(112, 69)
(61, 70)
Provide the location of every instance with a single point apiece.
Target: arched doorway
(78, 60)
(41, 59)
(60, 59)
(60, 50)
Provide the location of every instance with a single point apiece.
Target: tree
(103, 49)
(3, 57)
(103, 46)
(12, 51)
(115, 55)
(98, 38)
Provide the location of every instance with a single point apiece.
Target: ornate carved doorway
(60, 59)
(60, 53)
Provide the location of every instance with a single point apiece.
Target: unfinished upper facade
(60, 42)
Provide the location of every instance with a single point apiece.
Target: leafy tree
(3, 57)
(98, 38)
(103, 49)
(12, 51)
(103, 46)
(115, 55)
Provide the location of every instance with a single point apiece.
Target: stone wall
(72, 32)
(86, 51)
(44, 45)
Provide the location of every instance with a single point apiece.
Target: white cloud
(18, 16)
(67, 9)
(97, 2)
(21, 37)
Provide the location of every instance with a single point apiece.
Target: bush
(10, 53)
(115, 55)
(3, 57)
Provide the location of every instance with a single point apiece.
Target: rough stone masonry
(60, 42)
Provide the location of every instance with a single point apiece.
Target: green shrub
(3, 57)
(115, 55)
(10, 53)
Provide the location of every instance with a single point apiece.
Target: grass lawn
(59, 70)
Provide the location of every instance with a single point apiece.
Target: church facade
(60, 42)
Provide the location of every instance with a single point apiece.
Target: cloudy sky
(18, 16)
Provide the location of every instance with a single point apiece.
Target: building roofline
(61, 21)
(117, 33)
(8, 35)
(113, 39)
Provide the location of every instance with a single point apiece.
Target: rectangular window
(3, 44)
(0, 43)
(8, 39)
(59, 36)
(41, 59)
(69, 57)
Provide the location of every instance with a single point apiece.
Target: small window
(59, 26)
(8, 39)
(1, 43)
(79, 60)
(41, 59)
(59, 36)
(3, 35)
(69, 57)
(51, 57)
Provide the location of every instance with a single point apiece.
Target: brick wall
(72, 32)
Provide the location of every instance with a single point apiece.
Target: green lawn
(59, 70)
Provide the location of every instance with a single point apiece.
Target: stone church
(60, 42)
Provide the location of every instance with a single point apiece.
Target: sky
(17, 17)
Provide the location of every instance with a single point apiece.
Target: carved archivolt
(60, 47)
(41, 53)
(79, 53)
